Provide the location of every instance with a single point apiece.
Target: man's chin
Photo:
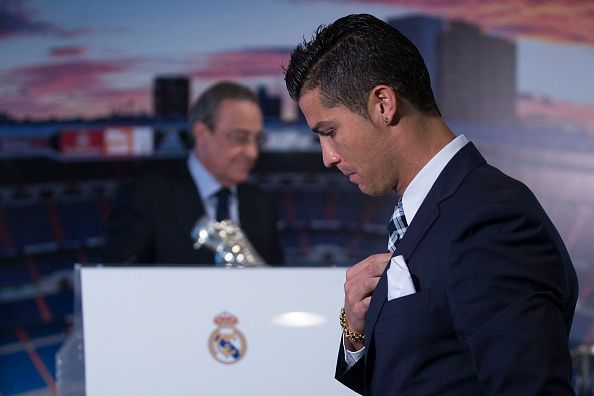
(369, 190)
(240, 177)
(363, 188)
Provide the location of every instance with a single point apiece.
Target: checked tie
(396, 227)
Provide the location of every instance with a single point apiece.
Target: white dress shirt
(413, 197)
(208, 186)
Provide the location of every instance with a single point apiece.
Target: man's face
(230, 150)
(352, 143)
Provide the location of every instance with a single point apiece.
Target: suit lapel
(414, 233)
(249, 215)
(467, 159)
(378, 298)
(186, 203)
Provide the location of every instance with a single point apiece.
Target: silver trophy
(227, 240)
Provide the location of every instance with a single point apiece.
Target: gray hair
(206, 106)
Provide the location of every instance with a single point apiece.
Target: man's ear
(382, 105)
(198, 130)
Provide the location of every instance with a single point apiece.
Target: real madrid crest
(226, 343)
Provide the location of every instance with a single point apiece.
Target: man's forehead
(238, 113)
(314, 109)
(232, 105)
(320, 115)
(312, 96)
(244, 131)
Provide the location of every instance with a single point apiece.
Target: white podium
(211, 331)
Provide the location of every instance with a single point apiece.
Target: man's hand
(361, 280)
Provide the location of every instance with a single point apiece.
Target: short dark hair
(349, 57)
(207, 105)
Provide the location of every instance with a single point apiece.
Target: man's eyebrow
(245, 131)
(320, 125)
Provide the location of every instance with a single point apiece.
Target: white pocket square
(400, 283)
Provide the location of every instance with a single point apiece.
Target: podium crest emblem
(226, 343)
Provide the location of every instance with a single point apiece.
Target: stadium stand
(53, 212)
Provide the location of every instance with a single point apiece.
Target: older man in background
(154, 217)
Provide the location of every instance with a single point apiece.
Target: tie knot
(223, 193)
(397, 226)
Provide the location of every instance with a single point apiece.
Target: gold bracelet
(348, 333)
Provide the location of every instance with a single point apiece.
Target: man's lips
(346, 172)
(244, 164)
(351, 176)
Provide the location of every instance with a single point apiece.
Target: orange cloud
(67, 51)
(76, 88)
(79, 87)
(39, 81)
(244, 63)
(547, 112)
(567, 21)
(92, 105)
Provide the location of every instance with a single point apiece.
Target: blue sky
(46, 44)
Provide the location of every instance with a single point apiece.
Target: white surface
(147, 329)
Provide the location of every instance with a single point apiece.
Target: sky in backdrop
(66, 58)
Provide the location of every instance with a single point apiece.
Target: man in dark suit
(478, 292)
(154, 217)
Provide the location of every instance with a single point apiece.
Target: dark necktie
(396, 227)
(223, 204)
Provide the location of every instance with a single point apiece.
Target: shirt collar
(417, 190)
(206, 183)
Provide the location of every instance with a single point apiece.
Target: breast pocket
(418, 302)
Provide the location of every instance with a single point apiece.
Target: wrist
(354, 338)
(352, 346)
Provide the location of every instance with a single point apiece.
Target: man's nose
(252, 150)
(329, 155)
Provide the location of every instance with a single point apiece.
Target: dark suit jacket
(496, 293)
(154, 216)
